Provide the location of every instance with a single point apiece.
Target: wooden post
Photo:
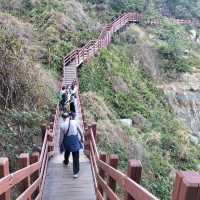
(51, 125)
(94, 49)
(43, 131)
(83, 115)
(187, 186)
(24, 161)
(113, 162)
(83, 54)
(108, 37)
(53, 111)
(50, 139)
(52, 117)
(87, 140)
(4, 171)
(177, 184)
(94, 130)
(99, 44)
(85, 126)
(35, 158)
(134, 172)
(88, 53)
(102, 157)
(78, 56)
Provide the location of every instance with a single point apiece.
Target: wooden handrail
(116, 25)
(128, 185)
(10, 180)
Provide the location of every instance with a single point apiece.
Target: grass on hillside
(117, 84)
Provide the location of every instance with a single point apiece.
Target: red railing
(106, 176)
(29, 179)
(92, 47)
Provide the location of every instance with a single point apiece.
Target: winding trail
(46, 178)
(59, 184)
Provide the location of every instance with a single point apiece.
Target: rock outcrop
(184, 98)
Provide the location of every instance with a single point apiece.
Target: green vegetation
(119, 82)
(174, 47)
(108, 10)
(34, 37)
(184, 8)
(27, 92)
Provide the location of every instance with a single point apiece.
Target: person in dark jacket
(69, 141)
(72, 106)
(63, 100)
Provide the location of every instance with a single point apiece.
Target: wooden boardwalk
(59, 183)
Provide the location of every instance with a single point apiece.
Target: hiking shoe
(76, 175)
(65, 163)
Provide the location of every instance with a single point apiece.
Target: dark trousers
(72, 107)
(75, 156)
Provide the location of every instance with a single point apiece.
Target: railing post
(85, 125)
(99, 44)
(87, 141)
(83, 50)
(187, 186)
(94, 50)
(88, 53)
(50, 139)
(102, 157)
(108, 34)
(134, 172)
(24, 161)
(4, 171)
(78, 57)
(94, 130)
(43, 131)
(113, 162)
(33, 159)
(106, 40)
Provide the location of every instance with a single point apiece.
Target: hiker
(63, 90)
(73, 89)
(68, 89)
(69, 141)
(63, 100)
(72, 106)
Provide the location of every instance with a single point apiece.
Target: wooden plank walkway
(59, 183)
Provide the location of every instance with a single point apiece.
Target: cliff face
(126, 78)
(184, 97)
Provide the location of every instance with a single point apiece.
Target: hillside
(123, 82)
(34, 37)
(148, 75)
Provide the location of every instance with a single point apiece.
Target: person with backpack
(69, 141)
